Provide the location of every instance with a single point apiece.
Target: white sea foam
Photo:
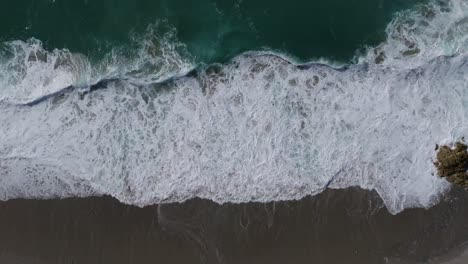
(415, 37)
(256, 129)
(28, 71)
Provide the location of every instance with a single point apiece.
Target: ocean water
(231, 102)
(212, 30)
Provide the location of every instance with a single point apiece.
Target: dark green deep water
(213, 30)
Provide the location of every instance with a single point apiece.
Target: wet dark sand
(337, 226)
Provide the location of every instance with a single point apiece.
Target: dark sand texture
(337, 226)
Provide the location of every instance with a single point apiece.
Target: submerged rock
(452, 163)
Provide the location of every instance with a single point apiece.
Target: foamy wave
(416, 36)
(258, 128)
(28, 71)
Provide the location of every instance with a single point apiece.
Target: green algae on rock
(452, 163)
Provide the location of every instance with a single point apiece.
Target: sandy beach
(336, 226)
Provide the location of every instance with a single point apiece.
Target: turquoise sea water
(213, 30)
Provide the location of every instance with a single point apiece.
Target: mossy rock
(452, 163)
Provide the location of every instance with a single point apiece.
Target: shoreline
(349, 225)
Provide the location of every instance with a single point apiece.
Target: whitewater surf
(158, 126)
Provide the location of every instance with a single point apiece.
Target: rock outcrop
(452, 163)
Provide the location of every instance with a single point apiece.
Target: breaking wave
(154, 127)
